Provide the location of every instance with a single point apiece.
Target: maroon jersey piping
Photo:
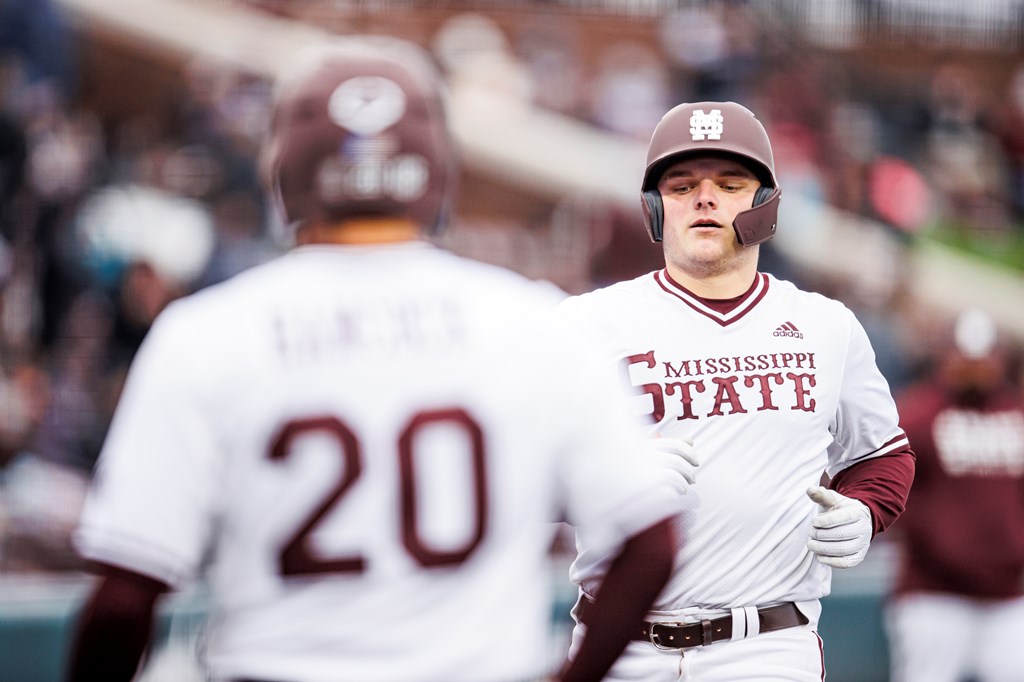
(743, 305)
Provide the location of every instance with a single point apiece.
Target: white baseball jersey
(370, 441)
(774, 392)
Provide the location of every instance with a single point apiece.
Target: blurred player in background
(957, 608)
(368, 434)
(802, 459)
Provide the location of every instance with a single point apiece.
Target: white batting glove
(678, 459)
(841, 532)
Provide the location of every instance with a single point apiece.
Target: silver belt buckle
(655, 638)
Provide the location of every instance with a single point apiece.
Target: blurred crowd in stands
(101, 224)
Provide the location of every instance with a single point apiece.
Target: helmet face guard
(359, 131)
(713, 128)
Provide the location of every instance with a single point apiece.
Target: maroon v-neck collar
(723, 311)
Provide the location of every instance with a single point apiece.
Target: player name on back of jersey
(728, 385)
(972, 443)
(369, 327)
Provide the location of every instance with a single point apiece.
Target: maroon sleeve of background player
(633, 582)
(881, 483)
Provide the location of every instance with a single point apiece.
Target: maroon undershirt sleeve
(881, 483)
(114, 627)
(634, 580)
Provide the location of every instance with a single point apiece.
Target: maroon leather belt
(707, 631)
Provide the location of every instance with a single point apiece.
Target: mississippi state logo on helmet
(359, 130)
(719, 128)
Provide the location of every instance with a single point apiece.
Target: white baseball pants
(948, 638)
(789, 655)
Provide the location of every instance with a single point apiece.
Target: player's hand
(678, 459)
(841, 532)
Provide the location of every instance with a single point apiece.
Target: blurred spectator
(65, 158)
(1008, 121)
(898, 195)
(38, 34)
(39, 500)
(39, 505)
(800, 92)
(610, 241)
(721, 56)
(957, 608)
(143, 291)
(84, 384)
(141, 221)
(867, 180)
(551, 51)
(882, 302)
(223, 105)
(241, 238)
(960, 157)
(13, 154)
(23, 397)
(631, 90)
(223, 117)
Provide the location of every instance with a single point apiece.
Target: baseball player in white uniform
(802, 459)
(361, 444)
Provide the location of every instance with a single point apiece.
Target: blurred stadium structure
(526, 157)
(899, 132)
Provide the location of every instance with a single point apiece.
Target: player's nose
(704, 194)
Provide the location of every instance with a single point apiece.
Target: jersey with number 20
(370, 442)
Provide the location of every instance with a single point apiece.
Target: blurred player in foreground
(802, 459)
(957, 608)
(369, 434)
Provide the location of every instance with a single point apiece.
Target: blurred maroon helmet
(723, 128)
(359, 130)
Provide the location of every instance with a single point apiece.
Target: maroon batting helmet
(359, 130)
(724, 128)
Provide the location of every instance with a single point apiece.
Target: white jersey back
(371, 441)
(774, 393)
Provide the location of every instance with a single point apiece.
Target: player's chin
(709, 249)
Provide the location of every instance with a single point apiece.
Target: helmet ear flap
(654, 213)
(757, 223)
